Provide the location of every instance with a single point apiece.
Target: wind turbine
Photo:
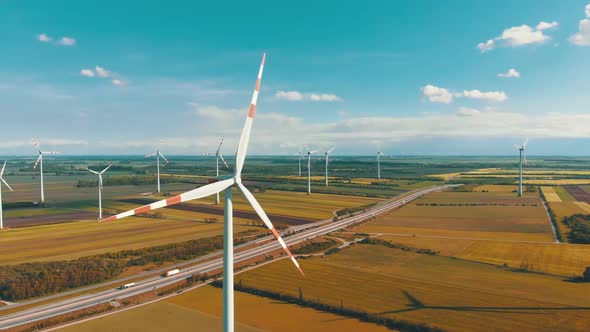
(100, 188)
(218, 156)
(327, 153)
(521, 149)
(40, 163)
(309, 153)
(379, 154)
(5, 183)
(225, 184)
(300, 157)
(158, 154)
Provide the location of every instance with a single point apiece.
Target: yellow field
(496, 188)
(200, 310)
(298, 204)
(559, 259)
(503, 213)
(456, 295)
(78, 239)
(563, 194)
(584, 206)
(550, 194)
(557, 181)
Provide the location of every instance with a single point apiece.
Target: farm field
(488, 215)
(201, 310)
(559, 259)
(441, 291)
(79, 239)
(550, 194)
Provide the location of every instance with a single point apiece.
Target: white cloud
(87, 72)
(437, 95)
(299, 96)
(519, 36)
(289, 95)
(495, 96)
(324, 97)
(101, 72)
(510, 73)
(117, 82)
(44, 38)
(582, 37)
(489, 45)
(547, 25)
(67, 41)
(441, 95)
(466, 111)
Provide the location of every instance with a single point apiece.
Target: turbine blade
(268, 224)
(3, 167)
(524, 156)
(332, 149)
(38, 160)
(161, 155)
(245, 137)
(91, 171)
(221, 156)
(6, 183)
(150, 155)
(104, 170)
(314, 151)
(526, 141)
(219, 147)
(200, 192)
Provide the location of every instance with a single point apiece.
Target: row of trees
(391, 323)
(121, 180)
(579, 225)
(27, 280)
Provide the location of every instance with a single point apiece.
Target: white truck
(127, 285)
(172, 272)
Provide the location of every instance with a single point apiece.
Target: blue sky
(408, 77)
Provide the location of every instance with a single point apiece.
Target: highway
(61, 307)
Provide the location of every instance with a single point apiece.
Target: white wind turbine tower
(300, 157)
(225, 184)
(327, 154)
(521, 149)
(379, 154)
(100, 188)
(309, 153)
(40, 163)
(158, 154)
(218, 156)
(5, 183)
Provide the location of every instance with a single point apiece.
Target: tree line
(579, 225)
(28, 280)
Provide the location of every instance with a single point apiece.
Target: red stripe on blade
(142, 209)
(174, 200)
(111, 218)
(252, 111)
(275, 233)
(258, 85)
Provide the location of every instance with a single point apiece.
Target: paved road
(310, 231)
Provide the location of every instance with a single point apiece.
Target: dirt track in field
(48, 219)
(218, 211)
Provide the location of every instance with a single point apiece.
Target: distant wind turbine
(300, 157)
(521, 149)
(158, 154)
(327, 154)
(225, 184)
(309, 153)
(100, 188)
(379, 154)
(40, 163)
(6, 184)
(218, 156)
